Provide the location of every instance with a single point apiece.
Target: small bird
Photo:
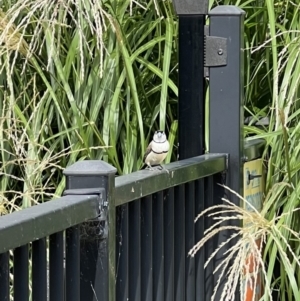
(157, 150)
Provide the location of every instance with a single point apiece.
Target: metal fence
(123, 238)
(127, 237)
(25, 238)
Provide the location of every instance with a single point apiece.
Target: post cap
(226, 10)
(191, 7)
(90, 167)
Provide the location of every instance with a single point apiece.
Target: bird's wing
(148, 150)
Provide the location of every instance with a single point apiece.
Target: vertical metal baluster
(39, 270)
(21, 274)
(73, 264)
(146, 249)
(179, 244)
(209, 247)
(169, 244)
(135, 250)
(158, 246)
(57, 267)
(199, 232)
(122, 253)
(190, 288)
(4, 276)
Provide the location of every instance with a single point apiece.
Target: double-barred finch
(157, 150)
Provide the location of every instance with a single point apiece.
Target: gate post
(227, 112)
(97, 237)
(191, 121)
(191, 15)
(227, 93)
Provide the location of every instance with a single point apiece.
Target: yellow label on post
(253, 193)
(253, 184)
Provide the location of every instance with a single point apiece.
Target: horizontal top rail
(22, 227)
(145, 182)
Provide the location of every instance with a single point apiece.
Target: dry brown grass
(244, 262)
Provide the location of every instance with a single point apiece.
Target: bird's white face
(159, 136)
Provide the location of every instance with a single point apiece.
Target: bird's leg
(162, 168)
(156, 167)
(149, 167)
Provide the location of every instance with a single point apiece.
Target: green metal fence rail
(142, 183)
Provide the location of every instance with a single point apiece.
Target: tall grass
(280, 50)
(244, 263)
(81, 79)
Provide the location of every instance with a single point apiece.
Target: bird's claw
(157, 167)
(162, 168)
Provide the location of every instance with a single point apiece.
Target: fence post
(191, 16)
(226, 109)
(191, 119)
(97, 243)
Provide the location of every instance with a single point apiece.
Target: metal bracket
(215, 52)
(103, 206)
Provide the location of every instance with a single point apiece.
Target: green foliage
(279, 56)
(81, 79)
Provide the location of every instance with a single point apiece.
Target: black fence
(123, 238)
(27, 235)
(128, 237)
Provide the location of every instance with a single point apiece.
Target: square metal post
(191, 86)
(97, 244)
(226, 110)
(227, 93)
(191, 119)
(191, 77)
